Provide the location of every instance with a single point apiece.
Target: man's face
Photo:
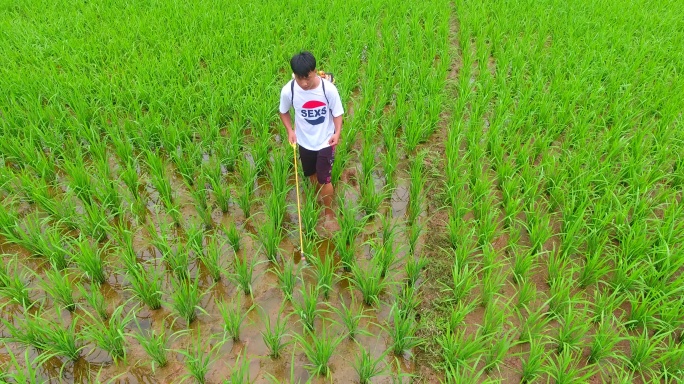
(308, 82)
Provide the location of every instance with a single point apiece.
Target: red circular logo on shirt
(314, 112)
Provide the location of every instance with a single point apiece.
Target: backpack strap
(326, 95)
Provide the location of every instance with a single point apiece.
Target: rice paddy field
(508, 185)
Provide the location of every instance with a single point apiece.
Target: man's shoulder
(287, 88)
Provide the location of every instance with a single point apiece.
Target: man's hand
(292, 137)
(334, 139)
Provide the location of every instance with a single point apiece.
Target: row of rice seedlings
(246, 178)
(459, 347)
(106, 188)
(233, 316)
(273, 334)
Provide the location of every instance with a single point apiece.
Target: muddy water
(267, 299)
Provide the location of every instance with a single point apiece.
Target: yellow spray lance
(299, 209)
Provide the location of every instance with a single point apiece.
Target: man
(318, 122)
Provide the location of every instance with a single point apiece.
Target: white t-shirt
(313, 124)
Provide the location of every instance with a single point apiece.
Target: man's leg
(324, 163)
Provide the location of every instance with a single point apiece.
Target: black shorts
(318, 162)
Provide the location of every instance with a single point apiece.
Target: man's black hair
(303, 63)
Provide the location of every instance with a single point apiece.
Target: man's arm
(337, 121)
(286, 118)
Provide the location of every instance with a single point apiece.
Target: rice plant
(219, 188)
(369, 281)
(199, 356)
(605, 340)
(13, 283)
(287, 279)
(413, 233)
(573, 327)
(605, 303)
(325, 274)
(463, 282)
(89, 259)
(643, 349)
(58, 285)
(533, 366)
(146, 284)
(403, 332)
(458, 348)
(233, 236)
(233, 316)
(533, 324)
(186, 297)
(202, 207)
(247, 176)
(417, 194)
(159, 177)
(319, 349)
(367, 367)
(413, 267)
(310, 210)
(498, 349)
(459, 313)
(242, 277)
(347, 252)
(351, 226)
(156, 345)
(273, 334)
(95, 299)
(350, 318)
(212, 256)
(307, 309)
(240, 371)
(47, 243)
(24, 372)
(270, 236)
(110, 336)
(565, 370)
